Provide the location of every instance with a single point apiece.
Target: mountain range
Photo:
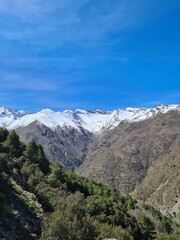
(135, 150)
(94, 121)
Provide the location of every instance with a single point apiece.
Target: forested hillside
(41, 200)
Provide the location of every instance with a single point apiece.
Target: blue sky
(89, 54)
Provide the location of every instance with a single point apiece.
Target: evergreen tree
(35, 154)
(42, 160)
(31, 152)
(3, 134)
(13, 144)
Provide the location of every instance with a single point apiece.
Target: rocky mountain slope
(143, 157)
(67, 145)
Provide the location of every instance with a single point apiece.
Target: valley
(135, 151)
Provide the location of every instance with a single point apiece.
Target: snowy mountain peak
(80, 111)
(167, 107)
(5, 111)
(94, 121)
(46, 111)
(7, 116)
(68, 111)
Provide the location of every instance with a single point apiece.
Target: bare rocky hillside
(142, 157)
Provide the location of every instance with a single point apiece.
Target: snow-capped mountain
(94, 121)
(8, 116)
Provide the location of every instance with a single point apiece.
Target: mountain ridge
(94, 121)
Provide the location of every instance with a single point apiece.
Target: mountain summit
(94, 121)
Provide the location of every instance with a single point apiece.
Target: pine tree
(35, 154)
(42, 160)
(3, 134)
(13, 144)
(31, 152)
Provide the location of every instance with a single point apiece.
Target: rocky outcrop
(67, 145)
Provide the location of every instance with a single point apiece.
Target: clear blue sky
(89, 54)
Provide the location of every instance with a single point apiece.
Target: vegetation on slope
(140, 157)
(39, 200)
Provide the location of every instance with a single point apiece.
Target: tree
(2, 204)
(131, 203)
(70, 222)
(147, 227)
(14, 145)
(167, 224)
(57, 173)
(106, 231)
(3, 162)
(42, 160)
(35, 154)
(3, 134)
(31, 152)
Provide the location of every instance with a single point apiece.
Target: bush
(147, 227)
(168, 237)
(108, 231)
